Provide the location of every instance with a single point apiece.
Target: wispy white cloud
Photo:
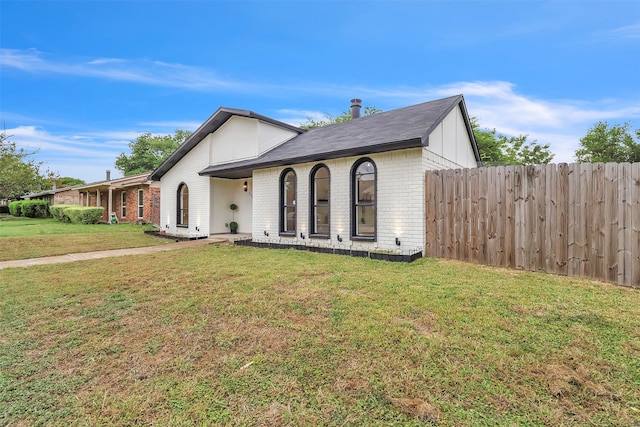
(298, 117)
(558, 122)
(81, 153)
(142, 71)
(498, 104)
(84, 156)
(169, 127)
(626, 32)
(101, 61)
(35, 138)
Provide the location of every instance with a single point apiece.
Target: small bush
(35, 208)
(84, 215)
(58, 212)
(15, 208)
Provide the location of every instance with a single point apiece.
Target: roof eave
(245, 170)
(467, 122)
(454, 103)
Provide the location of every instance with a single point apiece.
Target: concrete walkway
(112, 253)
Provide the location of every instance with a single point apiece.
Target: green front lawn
(22, 238)
(228, 335)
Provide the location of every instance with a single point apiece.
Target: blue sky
(79, 80)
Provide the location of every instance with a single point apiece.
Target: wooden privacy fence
(578, 219)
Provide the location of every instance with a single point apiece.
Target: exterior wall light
(245, 186)
(301, 236)
(266, 233)
(339, 238)
(397, 242)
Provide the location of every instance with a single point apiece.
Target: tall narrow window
(363, 200)
(288, 214)
(183, 205)
(140, 203)
(124, 204)
(319, 184)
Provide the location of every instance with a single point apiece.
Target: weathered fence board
(635, 226)
(576, 220)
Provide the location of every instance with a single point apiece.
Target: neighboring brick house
(130, 199)
(57, 196)
(359, 184)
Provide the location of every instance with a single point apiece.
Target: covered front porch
(225, 194)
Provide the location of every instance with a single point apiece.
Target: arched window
(183, 206)
(363, 200)
(319, 206)
(288, 214)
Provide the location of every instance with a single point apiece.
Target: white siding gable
(449, 144)
(242, 138)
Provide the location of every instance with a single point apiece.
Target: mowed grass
(23, 238)
(227, 335)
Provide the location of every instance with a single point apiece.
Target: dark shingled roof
(407, 127)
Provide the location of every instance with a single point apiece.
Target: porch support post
(110, 204)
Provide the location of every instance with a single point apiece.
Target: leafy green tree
(19, 173)
(498, 149)
(67, 181)
(330, 120)
(519, 151)
(604, 143)
(149, 151)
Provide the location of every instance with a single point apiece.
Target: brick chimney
(355, 108)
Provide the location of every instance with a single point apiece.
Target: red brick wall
(104, 202)
(132, 204)
(151, 210)
(69, 197)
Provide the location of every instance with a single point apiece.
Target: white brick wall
(400, 189)
(400, 202)
(186, 170)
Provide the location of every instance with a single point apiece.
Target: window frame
(123, 204)
(314, 202)
(355, 204)
(180, 209)
(140, 203)
(283, 203)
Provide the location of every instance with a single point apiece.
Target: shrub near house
(76, 214)
(29, 208)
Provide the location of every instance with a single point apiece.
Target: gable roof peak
(212, 124)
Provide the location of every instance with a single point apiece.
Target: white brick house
(353, 185)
